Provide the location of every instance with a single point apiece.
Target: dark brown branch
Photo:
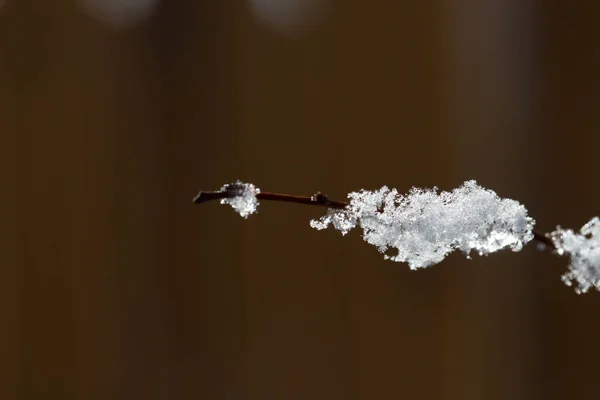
(318, 199)
(544, 239)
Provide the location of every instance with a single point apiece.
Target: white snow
(424, 226)
(245, 201)
(584, 250)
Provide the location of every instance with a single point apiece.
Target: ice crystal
(584, 250)
(424, 226)
(243, 199)
(341, 220)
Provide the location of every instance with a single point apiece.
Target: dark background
(113, 285)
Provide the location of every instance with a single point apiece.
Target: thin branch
(318, 199)
(544, 239)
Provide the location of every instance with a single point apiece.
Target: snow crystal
(341, 220)
(244, 200)
(584, 250)
(424, 226)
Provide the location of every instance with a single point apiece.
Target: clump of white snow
(342, 220)
(584, 250)
(424, 226)
(243, 199)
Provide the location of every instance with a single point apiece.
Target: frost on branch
(424, 226)
(584, 250)
(243, 199)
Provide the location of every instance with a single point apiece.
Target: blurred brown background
(113, 285)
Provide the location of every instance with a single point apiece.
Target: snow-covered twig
(424, 226)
